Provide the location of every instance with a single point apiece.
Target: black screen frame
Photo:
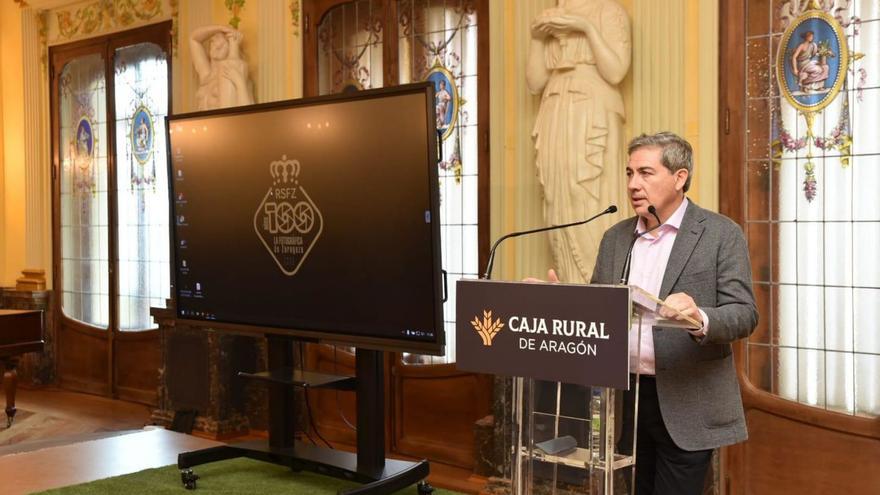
(334, 337)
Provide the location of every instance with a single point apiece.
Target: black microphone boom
(627, 264)
(653, 211)
(488, 274)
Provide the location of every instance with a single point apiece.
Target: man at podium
(696, 261)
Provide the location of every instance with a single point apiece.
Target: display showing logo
(487, 328)
(287, 221)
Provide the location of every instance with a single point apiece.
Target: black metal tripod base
(393, 476)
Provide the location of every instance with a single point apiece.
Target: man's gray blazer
(696, 381)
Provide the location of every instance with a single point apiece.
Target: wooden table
(20, 332)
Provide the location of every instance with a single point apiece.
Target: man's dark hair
(676, 152)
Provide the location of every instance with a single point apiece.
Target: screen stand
(369, 466)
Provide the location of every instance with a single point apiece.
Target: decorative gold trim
(781, 61)
(294, 16)
(42, 17)
(175, 25)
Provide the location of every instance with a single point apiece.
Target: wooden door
(811, 403)
(109, 97)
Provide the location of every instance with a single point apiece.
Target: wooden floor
(92, 460)
(63, 438)
(99, 412)
(52, 417)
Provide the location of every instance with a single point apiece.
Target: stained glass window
(437, 42)
(350, 48)
(83, 198)
(812, 218)
(139, 197)
(141, 92)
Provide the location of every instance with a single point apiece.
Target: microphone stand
(487, 275)
(627, 264)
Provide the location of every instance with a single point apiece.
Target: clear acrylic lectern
(570, 439)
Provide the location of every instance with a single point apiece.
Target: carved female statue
(579, 52)
(223, 74)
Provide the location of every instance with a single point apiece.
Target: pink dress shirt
(650, 256)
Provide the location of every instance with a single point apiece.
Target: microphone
(627, 264)
(488, 273)
(653, 211)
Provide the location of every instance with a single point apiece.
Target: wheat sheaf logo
(487, 328)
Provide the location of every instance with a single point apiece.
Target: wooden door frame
(59, 56)
(57, 61)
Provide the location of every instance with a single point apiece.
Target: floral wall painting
(812, 67)
(104, 15)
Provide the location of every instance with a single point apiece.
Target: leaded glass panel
(811, 212)
(83, 198)
(437, 41)
(141, 92)
(350, 47)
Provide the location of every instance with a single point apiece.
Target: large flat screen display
(316, 217)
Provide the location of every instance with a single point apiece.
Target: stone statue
(580, 51)
(223, 74)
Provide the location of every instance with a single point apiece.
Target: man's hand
(683, 303)
(551, 277)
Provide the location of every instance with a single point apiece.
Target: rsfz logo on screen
(287, 221)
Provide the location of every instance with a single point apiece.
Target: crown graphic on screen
(284, 170)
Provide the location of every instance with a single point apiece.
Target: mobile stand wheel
(188, 478)
(424, 488)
